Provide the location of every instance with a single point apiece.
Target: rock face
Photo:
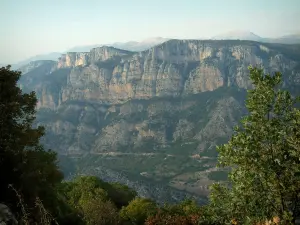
(73, 59)
(174, 68)
(141, 125)
(149, 114)
(6, 216)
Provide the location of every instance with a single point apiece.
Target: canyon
(151, 119)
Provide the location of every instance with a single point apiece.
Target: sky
(32, 27)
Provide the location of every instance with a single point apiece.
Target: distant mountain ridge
(250, 36)
(48, 56)
(130, 46)
(155, 115)
(151, 42)
(238, 34)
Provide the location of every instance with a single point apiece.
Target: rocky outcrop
(6, 216)
(221, 120)
(35, 71)
(38, 64)
(174, 68)
(150, 113)
(73, 59)
(110, 99)
(140, 125)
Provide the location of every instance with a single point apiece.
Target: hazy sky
(31, 27)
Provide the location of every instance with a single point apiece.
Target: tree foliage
(100, 212)
(264, 156)
(184, 213)
(88, 196)
(120, 194)
(24, 164)
(138, 210)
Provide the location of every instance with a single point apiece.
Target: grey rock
(6, 216)
(172, 102)
(174, 68)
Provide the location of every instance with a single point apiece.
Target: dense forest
(263, 155)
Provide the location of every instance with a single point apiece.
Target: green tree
(264, 156)
(138, 210)
(185, 208)
(119, 194)
(87, 197)
(82, 189)
(100, 212)
(24, 164)
(186, 212)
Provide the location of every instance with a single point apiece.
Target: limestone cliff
(174, 68)
(73, 59)
(44, 66)
(156, 114)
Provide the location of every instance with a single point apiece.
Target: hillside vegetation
(263, 156)
(151, 119)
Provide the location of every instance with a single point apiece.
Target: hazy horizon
(37, 27)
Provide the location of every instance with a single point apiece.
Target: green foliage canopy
(138, 210)
(264, 156)
(24, 164)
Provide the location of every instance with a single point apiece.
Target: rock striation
(156, 114)
(174, 68)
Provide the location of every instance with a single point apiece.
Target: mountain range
(150, 42)
(130, 45)
(247, 35)
(151, 119)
